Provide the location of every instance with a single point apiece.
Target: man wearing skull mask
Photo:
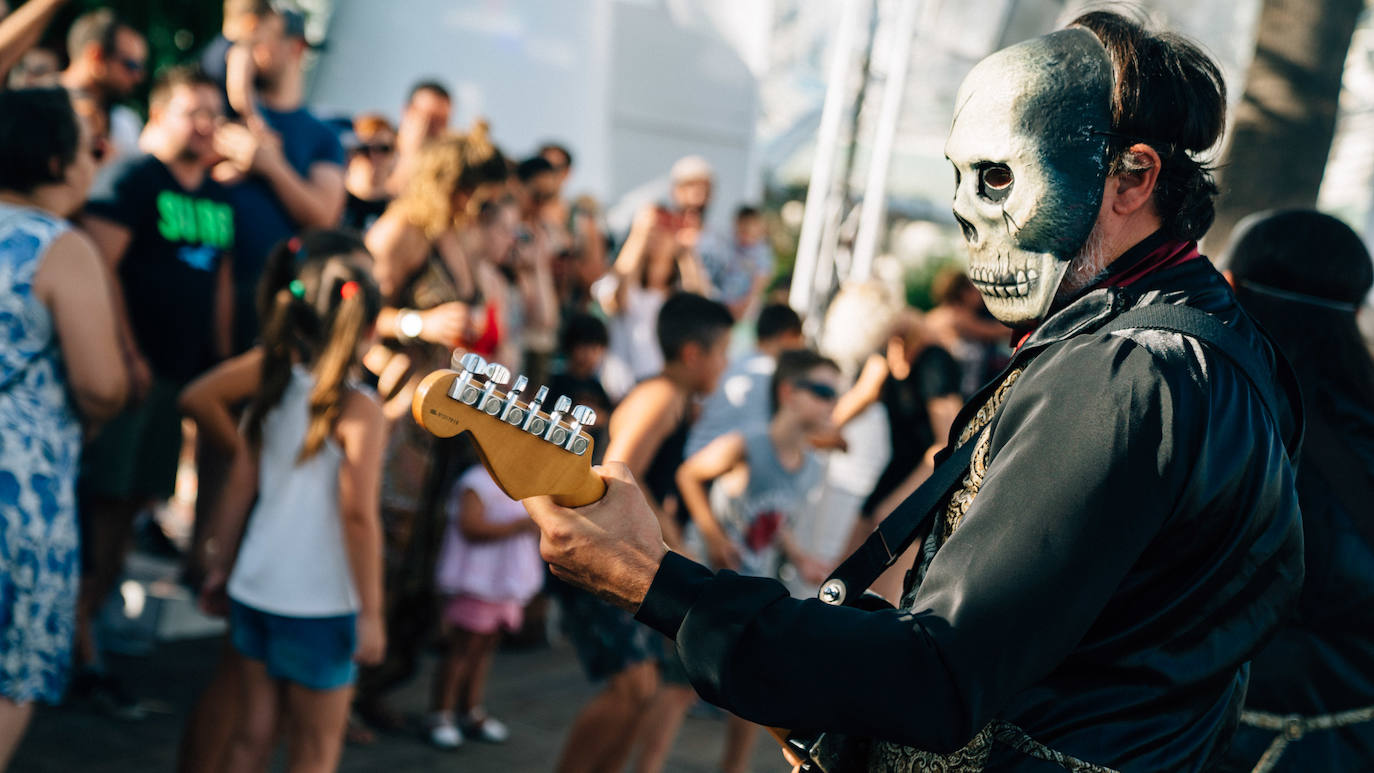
(1124, 534)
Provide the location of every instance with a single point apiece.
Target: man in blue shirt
(288, 163)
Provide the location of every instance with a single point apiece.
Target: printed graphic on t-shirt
(179, 238)
(182, 218)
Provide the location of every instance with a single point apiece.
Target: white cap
(690, 168)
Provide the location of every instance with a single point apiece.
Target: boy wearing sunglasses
(763, 477)
(765, 474)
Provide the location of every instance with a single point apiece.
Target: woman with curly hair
(433, 304)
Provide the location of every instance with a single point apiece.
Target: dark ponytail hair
(1170, 95)
(316, 301)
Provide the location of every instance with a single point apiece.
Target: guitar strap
(846, 585)
(897, 531)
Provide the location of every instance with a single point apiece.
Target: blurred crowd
(219, 262)
(286, 282)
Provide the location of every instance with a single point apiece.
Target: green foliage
(176, 30)
(919, 278)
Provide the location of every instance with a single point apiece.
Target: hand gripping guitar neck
(527, 451)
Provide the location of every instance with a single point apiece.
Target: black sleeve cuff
(677, 585)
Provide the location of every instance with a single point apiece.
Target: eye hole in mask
(995, 182)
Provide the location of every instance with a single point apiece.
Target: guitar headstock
(528, 451)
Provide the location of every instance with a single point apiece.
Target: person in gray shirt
(740, 402)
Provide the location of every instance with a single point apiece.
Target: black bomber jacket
(1136, 540)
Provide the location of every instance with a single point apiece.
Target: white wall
(626, 85)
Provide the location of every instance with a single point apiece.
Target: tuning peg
(582, 417)
(512, 395)
(532, 421)
(559, 408)
(471, 364)
(497, 375)
(469, 361)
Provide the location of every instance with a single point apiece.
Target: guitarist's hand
(612, 547)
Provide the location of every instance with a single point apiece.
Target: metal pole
(875, 193)
(823, 165)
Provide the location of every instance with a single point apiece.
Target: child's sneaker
(443, 733)
(485, 728)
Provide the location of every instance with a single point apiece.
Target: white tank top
(293, 560)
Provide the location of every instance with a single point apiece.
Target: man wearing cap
(1119, 533)
(288, 164)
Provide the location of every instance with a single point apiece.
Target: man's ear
(1135, 190)
(691, 353)
(99, 61)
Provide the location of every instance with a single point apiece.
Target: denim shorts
(314, 652)
(607, 639)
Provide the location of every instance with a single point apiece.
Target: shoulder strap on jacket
(846, 585)
(1196, 323)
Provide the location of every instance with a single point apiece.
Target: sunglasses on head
(821, 391)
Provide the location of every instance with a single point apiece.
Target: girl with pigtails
(303, 586)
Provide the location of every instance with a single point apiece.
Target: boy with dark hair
(741, 399)
(764, 476)
(583, 347)
(648, 432)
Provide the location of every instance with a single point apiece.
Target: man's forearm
(308, 204)
(23, 28)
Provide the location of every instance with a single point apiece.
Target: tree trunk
(1287, 117)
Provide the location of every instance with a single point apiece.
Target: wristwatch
(410, 323)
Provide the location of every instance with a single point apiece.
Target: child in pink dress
(488, 569)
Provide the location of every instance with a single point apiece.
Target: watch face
(411, 324)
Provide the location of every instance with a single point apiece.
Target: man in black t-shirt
(167, 231)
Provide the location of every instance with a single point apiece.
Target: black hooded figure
(1303, 276)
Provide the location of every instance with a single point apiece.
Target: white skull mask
(1029, 148)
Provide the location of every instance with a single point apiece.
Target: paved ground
(536, 693)
(170, 648)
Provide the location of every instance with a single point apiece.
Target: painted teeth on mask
(1003, 283)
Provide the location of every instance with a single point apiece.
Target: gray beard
(1087, 265)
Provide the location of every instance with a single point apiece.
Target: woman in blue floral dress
(60, 364)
